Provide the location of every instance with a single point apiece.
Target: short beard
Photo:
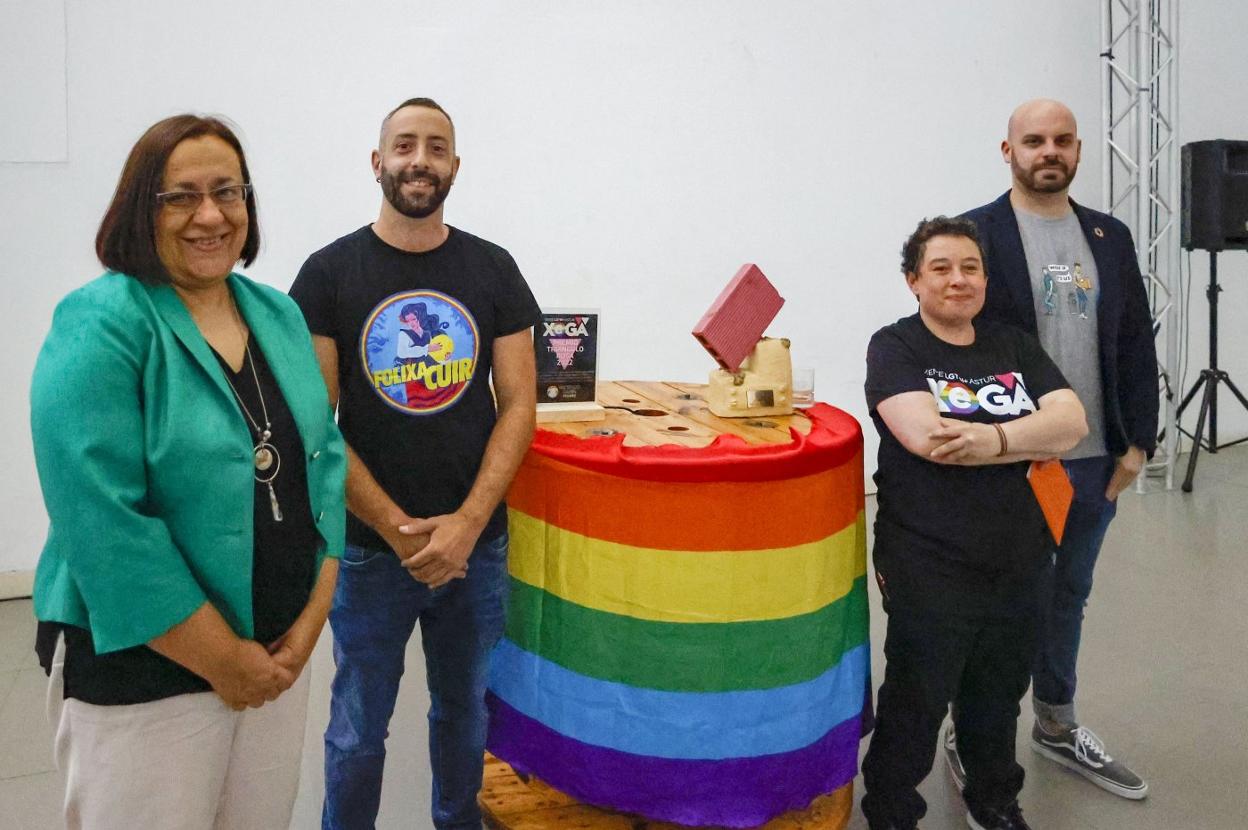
(1028, 178)
(416, 207)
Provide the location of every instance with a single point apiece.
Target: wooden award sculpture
(755, 374)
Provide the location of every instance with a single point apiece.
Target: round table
(687, 631)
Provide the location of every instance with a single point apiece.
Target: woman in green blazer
(193, 477)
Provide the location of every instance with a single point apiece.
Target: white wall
(631, 155)
(1214, 104)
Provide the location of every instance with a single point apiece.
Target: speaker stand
(1208, 380)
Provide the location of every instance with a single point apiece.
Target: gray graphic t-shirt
(1065, 287)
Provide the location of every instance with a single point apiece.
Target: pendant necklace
(265, 455)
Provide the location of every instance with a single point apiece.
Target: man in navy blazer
(1070, 275)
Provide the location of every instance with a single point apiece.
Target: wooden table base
(511, 803)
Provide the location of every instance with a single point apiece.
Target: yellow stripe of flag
(687, 586)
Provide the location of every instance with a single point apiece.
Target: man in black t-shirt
(412, 319)
(960, 539)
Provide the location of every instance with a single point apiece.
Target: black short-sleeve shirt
(982, 520)
(415, 335)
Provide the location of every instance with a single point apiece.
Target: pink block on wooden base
(737, 319)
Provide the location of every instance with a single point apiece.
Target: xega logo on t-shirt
(996, 394)
(420, 350)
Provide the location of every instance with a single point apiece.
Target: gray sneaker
(949, 742)
(1080, 750)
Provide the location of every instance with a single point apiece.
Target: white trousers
(187, 762)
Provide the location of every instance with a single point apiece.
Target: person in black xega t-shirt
(412, 319)
(961, 407)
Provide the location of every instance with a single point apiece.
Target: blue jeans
(1066, 587)
(376, 607)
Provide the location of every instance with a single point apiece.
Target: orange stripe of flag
(705, 516)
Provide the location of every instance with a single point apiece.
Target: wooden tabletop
(664, 412)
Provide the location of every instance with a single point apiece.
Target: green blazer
(146, 461)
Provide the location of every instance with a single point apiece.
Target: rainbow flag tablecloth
(687, 630)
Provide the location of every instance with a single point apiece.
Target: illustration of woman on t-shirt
(416, 327)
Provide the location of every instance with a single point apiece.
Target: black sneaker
(1079, 750)
(949, 742)
(1003, 818)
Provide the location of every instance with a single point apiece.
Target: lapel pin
(1100, 234)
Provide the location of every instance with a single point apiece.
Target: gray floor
(1164, 680)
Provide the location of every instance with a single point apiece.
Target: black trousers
(979, 662)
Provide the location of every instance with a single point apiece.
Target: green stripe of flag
(686, 657)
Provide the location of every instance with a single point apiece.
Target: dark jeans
(1068, 585)
(376, 607)
(979, 663)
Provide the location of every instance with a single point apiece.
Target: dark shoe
(1080, 750)
(1003, 818)
(891, 826)
(949, 742)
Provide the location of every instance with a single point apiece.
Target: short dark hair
(912, 251)
(427, 103)
(126, 240)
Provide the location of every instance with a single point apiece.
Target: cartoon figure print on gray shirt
(1072, 282)
(1063, 281)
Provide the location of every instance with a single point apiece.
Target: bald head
(1042, 110)
(1042, 148)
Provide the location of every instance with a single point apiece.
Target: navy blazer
(1124, 322)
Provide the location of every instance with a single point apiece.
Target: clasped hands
(253, 675)
(964, 442)
(434, 550)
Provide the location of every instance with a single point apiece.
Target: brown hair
(427, 103)
(126, 241)
(912, 250)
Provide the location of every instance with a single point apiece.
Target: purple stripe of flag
(737, 792)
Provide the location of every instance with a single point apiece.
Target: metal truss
(1141, 173)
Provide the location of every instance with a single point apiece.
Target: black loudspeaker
(1215, 195)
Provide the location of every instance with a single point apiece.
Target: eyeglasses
(228, 196)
